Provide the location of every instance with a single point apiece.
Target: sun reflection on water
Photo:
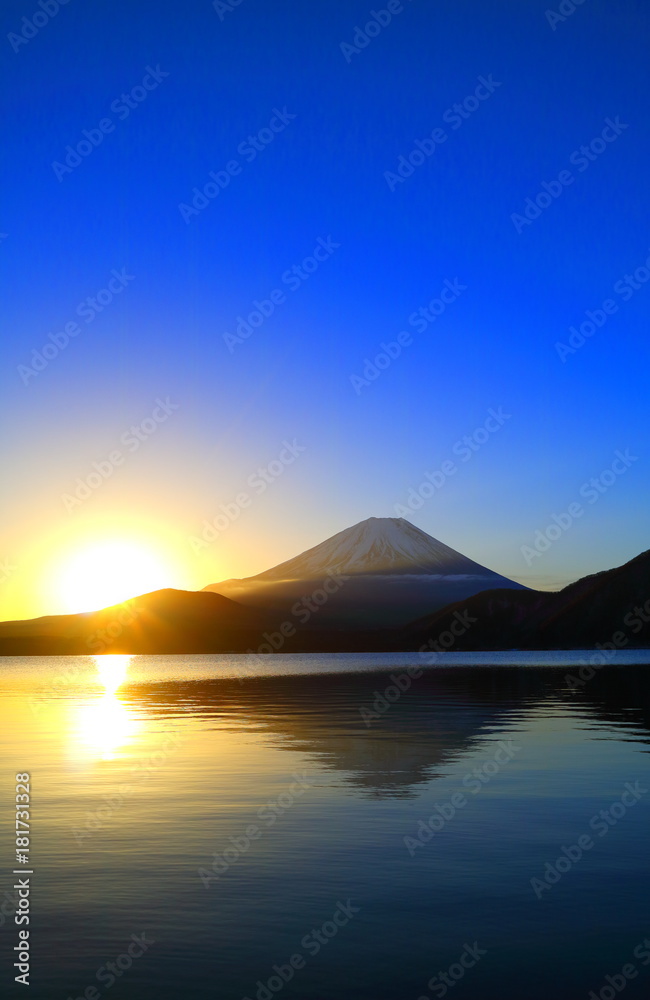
(105, 725)
(112, 670)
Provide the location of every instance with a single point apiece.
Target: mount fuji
(381, 572)
(381, 586)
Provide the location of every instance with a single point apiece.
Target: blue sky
(335, 123)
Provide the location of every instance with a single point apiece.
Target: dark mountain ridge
(608, 607)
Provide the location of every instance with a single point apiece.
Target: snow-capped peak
(378, 545)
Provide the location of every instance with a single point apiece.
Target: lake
(320, 827)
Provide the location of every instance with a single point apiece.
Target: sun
(109, 572)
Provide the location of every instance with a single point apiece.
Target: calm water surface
(240, 815)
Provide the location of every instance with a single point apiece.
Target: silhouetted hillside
(606, 607)
(594, 609)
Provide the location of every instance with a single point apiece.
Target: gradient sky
(322, 176)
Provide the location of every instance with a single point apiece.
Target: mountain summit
(389, 572)
(384, 545)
